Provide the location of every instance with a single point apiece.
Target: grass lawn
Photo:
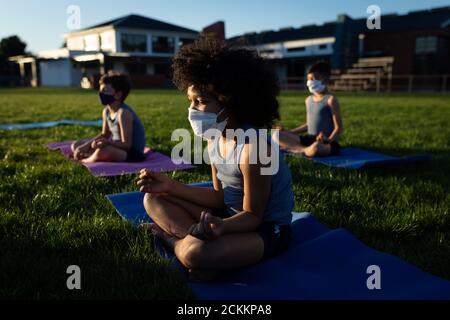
(54, 214)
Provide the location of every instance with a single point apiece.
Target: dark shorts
(307, 140)
(276, 238)
(135, 156)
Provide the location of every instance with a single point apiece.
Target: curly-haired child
(247, 216)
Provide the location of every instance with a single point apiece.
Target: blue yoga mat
(355, 158)
(321, 264)
(48, 124)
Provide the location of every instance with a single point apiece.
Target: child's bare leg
(290, 142)
(199, 275)
(80, 143)
(206, 258)
(174, 216)
(81, 149)
(107, 153)
(318, 149)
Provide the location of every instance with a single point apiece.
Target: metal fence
(379, 83)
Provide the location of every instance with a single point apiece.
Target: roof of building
(414, 20)
(423, 19)
(134, 21)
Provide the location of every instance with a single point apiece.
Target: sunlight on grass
(53, 213)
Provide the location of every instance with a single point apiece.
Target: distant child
(123, 136)
(247, 216)
(323, 118)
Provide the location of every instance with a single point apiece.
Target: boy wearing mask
(323, 118)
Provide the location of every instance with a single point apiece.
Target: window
(162, 69)
(184, 41)
(163, 44)
(266, 51)
(426, 45)
(431, 55)
(136, 68)
(323, 47)
(134, 43)
(297, 49)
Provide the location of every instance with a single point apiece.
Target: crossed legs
(174, 216)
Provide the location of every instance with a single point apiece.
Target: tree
(10, 46)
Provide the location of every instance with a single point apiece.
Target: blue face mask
(105, 99)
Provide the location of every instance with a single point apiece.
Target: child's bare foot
(311, 151)
(87, 160)
(166, 239)
(202, 275)
(297, 150)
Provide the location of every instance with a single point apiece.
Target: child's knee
(313, 148)
(192, 254)
(73, 146)
(152, 201)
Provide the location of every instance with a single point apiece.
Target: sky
(42, 23)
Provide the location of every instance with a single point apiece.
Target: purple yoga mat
(153, 160)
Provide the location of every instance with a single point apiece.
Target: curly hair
(248, 86)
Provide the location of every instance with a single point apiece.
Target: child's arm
(153, 182)
(105, 129)
(204, 197)
(337, 119)
(256, 195)
(126, 131)
(91, 143)
(303, 127)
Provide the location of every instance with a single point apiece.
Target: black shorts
(307, 140)
(276, 238)
(135, 156)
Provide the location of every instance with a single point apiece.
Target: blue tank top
(319, 117)
(281, 200)
(138, 129)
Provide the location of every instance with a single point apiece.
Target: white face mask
(201, 122)
(315, 86)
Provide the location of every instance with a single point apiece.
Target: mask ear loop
(218, 115)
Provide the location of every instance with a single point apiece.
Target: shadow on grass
(116, 262)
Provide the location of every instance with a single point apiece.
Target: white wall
(59, 73)
(311, 47)
(108, 39)
(56, 73)
(92, 42)
(75, 43)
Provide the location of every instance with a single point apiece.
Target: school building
(409, 52)
(136, 45)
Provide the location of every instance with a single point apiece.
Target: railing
(379, 83)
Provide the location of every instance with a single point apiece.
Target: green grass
(54, 214)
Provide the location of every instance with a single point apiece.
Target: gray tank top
(138, 129)
(281, 200)
(319, 116)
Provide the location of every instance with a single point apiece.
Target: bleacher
(364, 75)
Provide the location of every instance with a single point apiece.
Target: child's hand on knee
(320, 137)
(78, 154)
(208, 228)
(99, 143)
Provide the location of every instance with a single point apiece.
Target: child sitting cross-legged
(246, 217)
